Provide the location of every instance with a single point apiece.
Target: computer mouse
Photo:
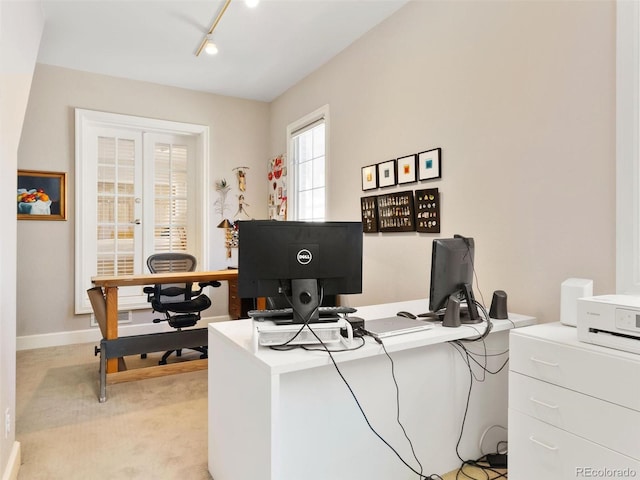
(405, 314)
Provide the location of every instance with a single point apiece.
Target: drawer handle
(548, 364)
(542, 444)
(543, 403)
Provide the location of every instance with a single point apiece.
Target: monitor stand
(305, 300)
(472, 309)
(455, 314)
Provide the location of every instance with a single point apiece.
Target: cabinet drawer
(607, 424)
(593, 371)
(540, 451)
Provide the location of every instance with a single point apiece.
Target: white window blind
(170, 198)
(116, 200)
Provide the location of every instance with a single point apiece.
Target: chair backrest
(172, 262)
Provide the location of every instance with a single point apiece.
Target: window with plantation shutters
(116, 192)
(170, 229)
(140, 190)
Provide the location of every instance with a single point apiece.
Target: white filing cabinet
(574, 408)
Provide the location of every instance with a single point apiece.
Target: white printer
(611, 321)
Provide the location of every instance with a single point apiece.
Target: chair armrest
(212, 283)
(148, 290)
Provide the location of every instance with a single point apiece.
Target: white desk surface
(239, 333)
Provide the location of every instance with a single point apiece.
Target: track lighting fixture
(207, 44)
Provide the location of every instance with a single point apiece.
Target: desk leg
(111, 297)
(102, 396)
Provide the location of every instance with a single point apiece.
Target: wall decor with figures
(277, 178)
(230, 224)
(405, 211)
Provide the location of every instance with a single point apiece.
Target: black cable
(480, 464)
(326, 349)
(464, 417)
(366, 419)
(304, 347)
(304, 324)
(395, 382)
(488, 327)
(467, 358)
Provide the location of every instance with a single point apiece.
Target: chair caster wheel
(204, 355)
(162, 362)
(143, 355)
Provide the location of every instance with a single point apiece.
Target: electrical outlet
(7, 423)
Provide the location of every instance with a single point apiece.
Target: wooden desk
(109, 322)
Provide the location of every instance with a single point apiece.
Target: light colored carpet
(149, 429)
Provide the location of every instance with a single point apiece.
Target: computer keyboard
(284, 312)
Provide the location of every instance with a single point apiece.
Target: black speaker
(498, 308)
(452, 313)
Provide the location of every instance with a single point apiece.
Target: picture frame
(406, 168)
(41, 195)
(369, 177)
(429, 164)
(427, 210)
(396, 212)
(387, 173)
(369, 211)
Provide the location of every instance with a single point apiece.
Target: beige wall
(520, 96)
(21, 25)
(238, 137)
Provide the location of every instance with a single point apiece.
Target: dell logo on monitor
(304, 257)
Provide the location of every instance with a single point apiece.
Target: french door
(138, 192)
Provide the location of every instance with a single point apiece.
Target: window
(627, 153)
(140, 190)
(307, 140)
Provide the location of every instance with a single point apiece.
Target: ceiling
(262, 51)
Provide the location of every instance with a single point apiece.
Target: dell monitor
(299, 261)
(452, 276)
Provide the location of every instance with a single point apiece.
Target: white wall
(21, 25)
(520, 96)
(238, 137)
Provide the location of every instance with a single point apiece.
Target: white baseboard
(73, 337)
(13, 464)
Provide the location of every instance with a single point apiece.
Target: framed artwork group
(406, 211)
(403, 170)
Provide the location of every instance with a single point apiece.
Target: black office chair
(180, 304)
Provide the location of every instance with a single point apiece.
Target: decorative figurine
(242, 178)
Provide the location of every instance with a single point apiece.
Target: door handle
(136, 221)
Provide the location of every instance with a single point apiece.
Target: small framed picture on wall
(369, 177)
(429, 164)
(406, 167)
(387, 173)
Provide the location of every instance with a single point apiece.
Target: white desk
(288, 415)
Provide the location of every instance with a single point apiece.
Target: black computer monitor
(301, 261)
(452, 276)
